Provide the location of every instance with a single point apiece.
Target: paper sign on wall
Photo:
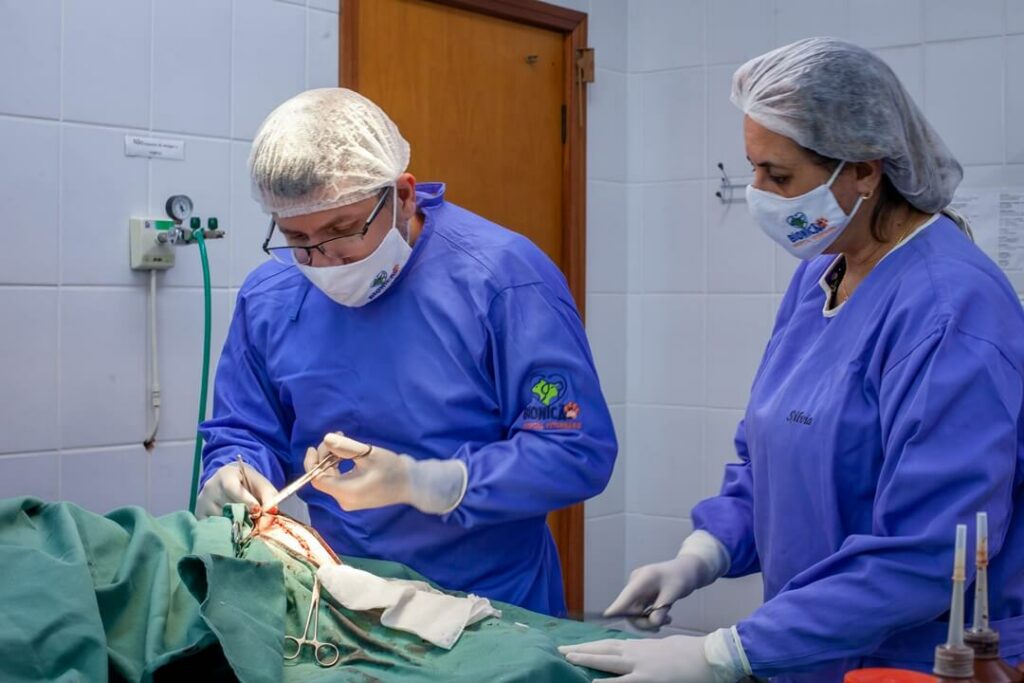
(154, 148)
(996, 216)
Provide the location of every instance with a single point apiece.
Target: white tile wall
(634, 239)
(608, 236)
(1014, 98)
(192, 66)
(329, 5)
(665, 452)
(100, 189)
(1014, 16)
(606, 127)
(36, 475)
(739, 256)
(604, 573)
(249, 224)
(102, 360)
(613, 500)
(30, 58)
(322, 49)
(952, 20)
(725, 127)
(902, 24)
(798, 19)
(105, 478)
(170, 476)
(30, 178)
(268, 60)
(607, 28)
(106, 62)
(665, 34)
(77, 347)
(180, 318)
(606, 328)
(738, 30)
(672, 124)
(673, 237)
(738, 330)
(672, 350)
(28, 345)
(960, 72)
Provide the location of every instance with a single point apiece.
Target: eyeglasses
(303, 256)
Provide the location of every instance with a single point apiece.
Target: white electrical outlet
(147, 252)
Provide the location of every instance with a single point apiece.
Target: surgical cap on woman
(843, 102)
(323, 149)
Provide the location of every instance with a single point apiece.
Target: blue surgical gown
(476, 352)
(868, 437)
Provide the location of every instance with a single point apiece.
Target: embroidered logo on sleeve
(550, 405)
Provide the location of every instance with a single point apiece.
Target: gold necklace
(844, 292)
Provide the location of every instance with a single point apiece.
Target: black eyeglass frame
(269, 250)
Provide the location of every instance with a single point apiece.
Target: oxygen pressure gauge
(179, 207)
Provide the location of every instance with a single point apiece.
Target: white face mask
(357, 284)
(805, 226)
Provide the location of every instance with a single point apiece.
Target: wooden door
(485, 93)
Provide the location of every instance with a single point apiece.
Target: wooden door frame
(573, 25)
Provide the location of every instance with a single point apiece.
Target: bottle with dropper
(954, 661)
(981, 638)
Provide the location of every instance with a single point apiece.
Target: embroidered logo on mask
(382, 280)
(805, 229)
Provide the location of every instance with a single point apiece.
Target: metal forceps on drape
(326, 654)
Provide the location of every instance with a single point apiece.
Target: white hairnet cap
(322, 149)
(843, 102)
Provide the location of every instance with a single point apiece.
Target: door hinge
(565, 115)
(585, 65)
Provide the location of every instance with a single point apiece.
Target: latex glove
(228, 486)
(677, 659)
(660, 584)
(383, 477)
(715, 658)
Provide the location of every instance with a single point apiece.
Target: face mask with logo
(357, 284)
(806, 225)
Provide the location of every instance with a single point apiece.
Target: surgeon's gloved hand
(676, 659)
(228, 485)
(382, 477)
(701, 561)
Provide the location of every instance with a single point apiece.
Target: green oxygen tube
(197, 235)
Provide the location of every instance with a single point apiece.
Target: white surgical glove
(227, 485)
(676, 659)
(383, 477)
(701, 561)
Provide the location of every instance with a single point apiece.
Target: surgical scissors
(326, 654)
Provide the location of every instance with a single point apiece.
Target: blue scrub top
(476, 352)
(869, 435)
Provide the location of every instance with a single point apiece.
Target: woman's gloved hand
(660, 585)
(380, 477)
(676, 659)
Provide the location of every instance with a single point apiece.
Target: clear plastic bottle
(988, 667)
